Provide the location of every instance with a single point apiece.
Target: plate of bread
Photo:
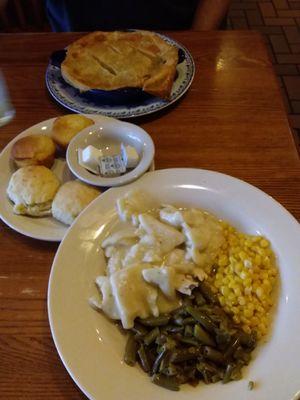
(40, 195)
(120, 74)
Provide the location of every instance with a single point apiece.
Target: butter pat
(129, 156)
(111, 165)
(89, 166)
(91, 155)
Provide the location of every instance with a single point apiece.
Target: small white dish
(91, 347)
(109, 133)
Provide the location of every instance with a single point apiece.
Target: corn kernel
(223, 260)
(248, 282)
(232, 297)
(241, 301)
(237, 291)
(222, 301)
(218, 276)
(248, 313)
(259, 292)
(257, 259)
(248, 290)
(225, 290)
(244, 275)
(264, 243)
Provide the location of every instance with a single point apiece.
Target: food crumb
(250, 385)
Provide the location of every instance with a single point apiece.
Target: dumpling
(167, 237)
(133, 204)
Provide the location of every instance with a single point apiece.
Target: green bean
(181, 311)
(203, 337)
(182, 378)
(207, 293)
(151, 336)
(240, 354)
(189, 340)
(172, 329)
(232, 347)
(130, 350)
(170, 370)
(223, 338)
(144, 359)
(213, 355)
(183, 321)
(248, 340)
(199, 299)
(206, 376)
(202, 318)
(228, 373)
(204, 365)
(168, 382)
(181, 355)
(188, 330)
(155, 321)
(215, 378)
(190, 372)
(158, 360)
(170, 343)
(165, 362)
(139, 329)
(178, 320)
(232, 373)
(161, 339)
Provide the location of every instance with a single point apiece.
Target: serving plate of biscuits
(120, 74)
(41, 197)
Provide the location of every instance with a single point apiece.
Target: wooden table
(231, 120)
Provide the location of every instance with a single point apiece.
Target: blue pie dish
(119, 103)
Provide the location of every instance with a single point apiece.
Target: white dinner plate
(45, 228)
(91, 347)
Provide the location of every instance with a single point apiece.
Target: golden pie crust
(114, 60)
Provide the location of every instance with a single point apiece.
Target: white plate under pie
(91, 347)
(44, 228)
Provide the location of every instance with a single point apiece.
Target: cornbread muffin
(67, 126)
(32, 189)
(33, 150)
(71, 199)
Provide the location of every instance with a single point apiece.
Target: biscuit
(32, 189)
(66, 127)
(33, 150)
(71, 199)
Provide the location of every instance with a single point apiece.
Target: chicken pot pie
(114, 60)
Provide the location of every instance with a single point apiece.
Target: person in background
(91, 15)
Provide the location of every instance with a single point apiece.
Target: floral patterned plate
(122, 103)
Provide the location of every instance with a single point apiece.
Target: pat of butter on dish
(88, 158)
(129, 156)
(91, 155)
(111, 165)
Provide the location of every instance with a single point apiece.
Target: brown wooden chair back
(23, 16)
